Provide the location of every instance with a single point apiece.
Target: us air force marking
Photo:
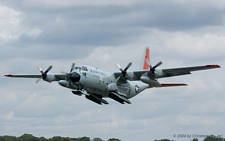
(136, 88)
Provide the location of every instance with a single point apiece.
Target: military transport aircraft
(97, 84)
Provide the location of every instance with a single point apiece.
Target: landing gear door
(124, 90)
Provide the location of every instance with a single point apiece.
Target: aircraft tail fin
(145, 59)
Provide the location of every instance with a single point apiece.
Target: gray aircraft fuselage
(95, 81)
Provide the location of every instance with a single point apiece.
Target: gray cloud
(95, 25)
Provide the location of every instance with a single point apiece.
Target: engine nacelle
(130, 74)
(50, 78)
(150, 81)
(64, 83)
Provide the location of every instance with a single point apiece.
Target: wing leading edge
(55, 77)
(23, 76)
(186, 70)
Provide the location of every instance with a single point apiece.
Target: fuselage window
(84, 74)
(84, 68)
(76, 68)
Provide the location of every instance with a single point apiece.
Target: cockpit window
(76, 68)
(84, 68)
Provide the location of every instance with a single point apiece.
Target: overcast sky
(101, 33)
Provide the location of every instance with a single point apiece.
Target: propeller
(72, 67)
(152, 69)
(68, 74)
(44, 74)
(72, 76)
(124, 71)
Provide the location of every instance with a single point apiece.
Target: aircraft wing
(56, 77)
(23, 75)
(165, 72)
(132, 76)
(185, 70)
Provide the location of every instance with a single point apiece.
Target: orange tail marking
(145, 66)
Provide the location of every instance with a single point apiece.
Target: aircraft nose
(75, 77)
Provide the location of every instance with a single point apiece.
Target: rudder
(145, 59)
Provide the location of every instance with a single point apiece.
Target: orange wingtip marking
(8, 75)
(213, 66)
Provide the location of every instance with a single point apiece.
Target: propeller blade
(38, 80)
(39, 68)
(118, 66)
(49, 68)
(158, 64)
(128, 66)
(72, 67)
(117, 79)
(68, 84)
(150, 66)
(124, 72)
(44, 74)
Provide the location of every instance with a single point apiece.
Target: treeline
(29, 137)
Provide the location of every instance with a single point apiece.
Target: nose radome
(75, 77)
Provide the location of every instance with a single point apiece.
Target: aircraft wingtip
(214, 66)
(8, 75)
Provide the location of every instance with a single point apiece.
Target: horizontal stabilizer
(169, 85)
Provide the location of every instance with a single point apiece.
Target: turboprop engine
(70, 78)
(153, 79)
(150, 81)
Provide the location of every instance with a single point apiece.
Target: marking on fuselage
(136, 88)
